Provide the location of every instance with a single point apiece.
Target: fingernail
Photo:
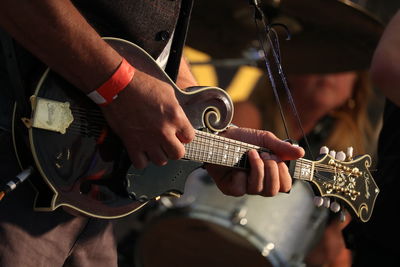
(275, 157)
(265, 156)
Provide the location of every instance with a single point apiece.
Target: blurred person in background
(333, 112)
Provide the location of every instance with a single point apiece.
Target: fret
(214, 156)
(203, 148)
(225, 153)
(191, 150)
(199, 150)
(219, 147)
(236, 154)
(232, 154)
(211, 148)
(229, 156)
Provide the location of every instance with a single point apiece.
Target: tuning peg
(324, 150)
(318, 201)
(335, 207)
(349, 153)
(332, 153)
(341, 156)
(327, 202)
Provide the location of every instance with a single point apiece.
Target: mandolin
(82, 164)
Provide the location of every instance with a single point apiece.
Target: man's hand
(268, 174)
(150, 121)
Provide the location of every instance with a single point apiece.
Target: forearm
(56, 33)
(185, 77)
(385, 67)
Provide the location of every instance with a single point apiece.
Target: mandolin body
(82, 164)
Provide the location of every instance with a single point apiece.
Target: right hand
(149, 120)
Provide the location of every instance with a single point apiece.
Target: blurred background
(326, 63)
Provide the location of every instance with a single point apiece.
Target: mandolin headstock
(349, 182)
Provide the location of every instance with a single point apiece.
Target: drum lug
(267, 249)
(239, 216)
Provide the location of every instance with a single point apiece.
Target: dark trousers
(373, 255)
(47, 239)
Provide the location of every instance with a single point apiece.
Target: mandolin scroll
(207, 107)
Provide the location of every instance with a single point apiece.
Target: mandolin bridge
(50, 115)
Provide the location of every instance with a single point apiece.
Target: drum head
(166, 243)
(206, 228)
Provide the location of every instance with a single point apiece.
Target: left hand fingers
(268, 175)
(255, 179)
(271, 175)
(285, 178)
(233, 183)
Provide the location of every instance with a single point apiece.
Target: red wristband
(109, 90)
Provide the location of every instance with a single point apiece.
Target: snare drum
(205, 228)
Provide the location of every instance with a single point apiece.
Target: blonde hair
(351, 125)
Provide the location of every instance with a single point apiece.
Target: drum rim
(265, 248)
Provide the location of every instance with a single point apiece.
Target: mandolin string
(81, 130)
(228, 147)
(219, 157)
(86, 129)
(323, 179)
(316, 164)
(322, 167)
(325, 165)
(227, 141)
(222, 141)
(85, 110)
(231, 153)
(216, 150)
(224, 158)
(206, 154)
(223, 154)
(225, 144)
(86, 118)
(82, 116)
(90, 119)
(228, 161)
(94, 120)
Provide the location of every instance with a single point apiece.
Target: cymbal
(327, 35)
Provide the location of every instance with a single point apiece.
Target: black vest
(147, 23)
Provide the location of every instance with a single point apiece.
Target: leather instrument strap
(14, 74)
